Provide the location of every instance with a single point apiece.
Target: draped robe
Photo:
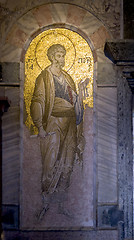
(57, 116)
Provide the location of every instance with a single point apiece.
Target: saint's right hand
(42, 133)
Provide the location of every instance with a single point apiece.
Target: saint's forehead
(60, 52)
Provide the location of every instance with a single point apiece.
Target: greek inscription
(84, 60)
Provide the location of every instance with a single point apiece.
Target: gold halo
(55, 38)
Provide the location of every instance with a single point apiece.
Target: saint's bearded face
(59, 59)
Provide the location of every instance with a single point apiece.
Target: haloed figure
(56, 110)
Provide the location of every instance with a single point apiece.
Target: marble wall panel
(10, 73)
(13, 94)
(90, 24)
(75, 15)
(107, 102)
(10, 53)
(28, 23)
(99, 37)
(43, 15)
(16, 36)
(107, 145)
(106, 74)
(101, 57)
(11, 156)
(59, 12)
(11, 150)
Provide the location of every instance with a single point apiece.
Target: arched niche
(78, 200)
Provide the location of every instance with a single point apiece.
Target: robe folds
(58, 118)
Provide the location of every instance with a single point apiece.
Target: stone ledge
(120, 51)
(60, 235)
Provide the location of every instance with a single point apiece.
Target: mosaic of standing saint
(56, 110)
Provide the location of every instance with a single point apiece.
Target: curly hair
(53, 49)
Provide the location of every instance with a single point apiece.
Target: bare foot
(64, 211)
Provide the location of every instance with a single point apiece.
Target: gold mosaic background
(78, 62)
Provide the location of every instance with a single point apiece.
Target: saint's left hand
(82, 87)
